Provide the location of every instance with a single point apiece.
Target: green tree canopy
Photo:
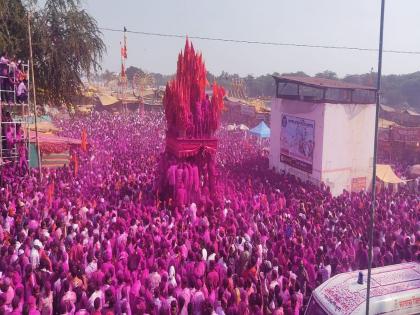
(132, 71)
(67, 44)
(13, 28)
(327, 74)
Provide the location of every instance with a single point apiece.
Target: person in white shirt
(96, 294)
(22, 92)
(91, 267)
(325, 269)
(34, 257)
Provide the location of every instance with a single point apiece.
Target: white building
(323, 131)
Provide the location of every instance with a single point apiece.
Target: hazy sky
(330, 22)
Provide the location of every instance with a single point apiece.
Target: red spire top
(188, 111)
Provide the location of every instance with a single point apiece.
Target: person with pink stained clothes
(186, 181)
(178, 178)
(181, 195)
(190, 183)
(10, 138)
(171, 177)
(196, 181)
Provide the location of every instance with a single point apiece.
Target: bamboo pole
(34, 97)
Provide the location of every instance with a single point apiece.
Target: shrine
(188, 167)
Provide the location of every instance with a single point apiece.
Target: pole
(34, 97)
(375, 152)
(124, 79)
(1, 131)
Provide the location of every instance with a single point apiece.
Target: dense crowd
(98, 241)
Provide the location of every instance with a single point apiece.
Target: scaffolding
(15, 113)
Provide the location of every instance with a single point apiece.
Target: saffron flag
(75, 163)
(84, 140)
(125, 47)
(50, 193)
(124, 52)
(123, 56)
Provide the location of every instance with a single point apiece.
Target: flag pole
(124, 75)
(34, 97)
(375, 151)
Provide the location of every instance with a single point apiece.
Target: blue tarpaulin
(33, 155)
(261, 130)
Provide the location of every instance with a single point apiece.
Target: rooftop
(322, 90)
(322, 83)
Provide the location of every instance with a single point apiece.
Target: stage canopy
(261, 130)
(386, 174)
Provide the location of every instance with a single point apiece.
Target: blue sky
(330, 22)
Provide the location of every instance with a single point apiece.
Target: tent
(385, 174)
(261, 130)
(55, 150)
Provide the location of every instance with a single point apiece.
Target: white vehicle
(394, 290)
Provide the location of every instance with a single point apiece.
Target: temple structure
(188, 170)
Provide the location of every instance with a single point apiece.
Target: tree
(132, 71)
(327, 74)
(13, 30)
(210, 77)
(108, 76)
(161, 79)
(67, 46)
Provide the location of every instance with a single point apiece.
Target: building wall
(344, 136)
(348, 145)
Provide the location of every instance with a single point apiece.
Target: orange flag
(50, 193)
(76, 164)
(84, 140)
(157, 199)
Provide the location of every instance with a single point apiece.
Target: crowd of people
(99, 241)
(13, 80)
